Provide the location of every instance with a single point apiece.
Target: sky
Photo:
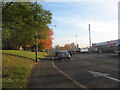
(72, 18)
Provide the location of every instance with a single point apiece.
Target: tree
(66, 47)
(72, 45)
(57, 47)
(21, 22)
(62, 48)
(47, 42)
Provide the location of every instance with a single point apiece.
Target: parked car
(63, 54)
(74, 52)
(70, 52)
(54, 54)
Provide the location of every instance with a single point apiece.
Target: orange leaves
(27, 45)
(41, 40)
(46, 43)
(66, 47)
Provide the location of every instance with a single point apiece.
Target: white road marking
(98, 74)
(70, 78)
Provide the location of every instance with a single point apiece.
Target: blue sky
(72, 18)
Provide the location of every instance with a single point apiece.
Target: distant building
(108, 43)
(107, 46)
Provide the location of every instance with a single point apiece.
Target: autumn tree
(62, 48)
(57, 47)
(71, 46)
(67, 46)
(47, 42)
(20, 23)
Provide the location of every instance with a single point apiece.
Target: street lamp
(68, 41)
(54, 26)
(76, 41)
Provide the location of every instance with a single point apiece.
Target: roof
(107, 42)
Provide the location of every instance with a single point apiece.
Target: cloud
(98, 26)
(101, 31)
(82, 41)
(102, 18)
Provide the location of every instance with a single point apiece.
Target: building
(107, 46)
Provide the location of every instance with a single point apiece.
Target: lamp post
(76, 41)
(68, 42)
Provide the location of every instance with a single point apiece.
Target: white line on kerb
(70, 78)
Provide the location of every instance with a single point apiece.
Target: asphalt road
(92, 70)
(81, 71)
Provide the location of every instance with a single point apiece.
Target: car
(63, 54)
(70, 53)
(74, 52)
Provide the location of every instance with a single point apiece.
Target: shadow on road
(49, 58)
(46, 58)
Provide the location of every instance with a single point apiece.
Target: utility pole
(89, 36)
(36, 47)
(36, 41)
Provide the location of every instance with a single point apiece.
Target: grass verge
(26, 54)
(16, 70)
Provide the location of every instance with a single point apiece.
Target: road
(85, 70)
(81, 65)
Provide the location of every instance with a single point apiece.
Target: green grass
(27, 54)
(16, 70)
